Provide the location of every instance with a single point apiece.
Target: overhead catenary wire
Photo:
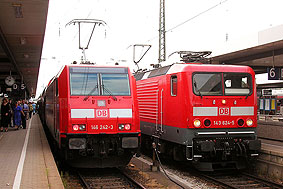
(205, 11)
(197, 15)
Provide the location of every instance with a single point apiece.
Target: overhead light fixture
(18, 10)
(26, 56)
(23, 40)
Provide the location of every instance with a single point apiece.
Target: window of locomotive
(115, 84)
(239, 84)
(82, 84)
(174, 82)
(207, 84)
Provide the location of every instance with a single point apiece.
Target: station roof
(270, 85)
(22, 28)
(258, 57)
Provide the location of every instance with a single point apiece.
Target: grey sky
(132, 22)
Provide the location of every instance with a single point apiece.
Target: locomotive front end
(103, 125)
(223, 119)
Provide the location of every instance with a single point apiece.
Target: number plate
(223, 123)
(102, 127)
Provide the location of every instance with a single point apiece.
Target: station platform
(26, 160)
(270, 160)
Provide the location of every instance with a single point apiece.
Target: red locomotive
(91, 112)
(200, 112)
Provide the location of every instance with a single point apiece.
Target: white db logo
(223, 111)
(101, 113)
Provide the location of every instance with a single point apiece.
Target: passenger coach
(91, 112)
(203, 113)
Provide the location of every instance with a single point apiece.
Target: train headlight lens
(241, 122)
(127, 126)
(121, 127)
(197, 123)
(207, 122)
(76, 127)
(82, 127)
(223, 101)
(249, 122)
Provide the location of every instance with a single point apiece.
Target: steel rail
(250, 180)
(83, 181)
(126, 180)
(274, 184)
(132, 180)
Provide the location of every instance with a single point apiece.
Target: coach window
(174, 85)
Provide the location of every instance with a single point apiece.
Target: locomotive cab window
(84, 84)
(115, 84)
(207, 84)
(174, 82)
(237, 83)
(99, 81)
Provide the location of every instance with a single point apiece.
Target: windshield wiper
(93, 90)
(197, 90)
(109, 92)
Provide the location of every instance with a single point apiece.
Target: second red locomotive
(91, 112)
(203, 113)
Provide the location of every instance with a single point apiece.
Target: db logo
(223, 111)
(101, 113)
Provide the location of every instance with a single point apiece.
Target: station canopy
(260, 58)
(22, 28)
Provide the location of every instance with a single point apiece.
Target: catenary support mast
(162, 31)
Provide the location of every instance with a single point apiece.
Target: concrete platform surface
(270, 160)
(26, 160)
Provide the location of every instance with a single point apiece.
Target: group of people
(15, 114)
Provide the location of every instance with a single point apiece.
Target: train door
(160, 94)
(155, 107)
(56, 112)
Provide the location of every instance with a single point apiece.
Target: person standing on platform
(12, 106)
(33, 107)
(18, 112)
(24, 117)
(5, 111)
(30, 109)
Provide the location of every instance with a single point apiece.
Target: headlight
(75, 127)
(126, 126)
(79, 127)
(241, 122)
(249, 122)
(207, 122)
(121, 127)
(197, 123)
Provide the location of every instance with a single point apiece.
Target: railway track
(240, 180)
(107, 178)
